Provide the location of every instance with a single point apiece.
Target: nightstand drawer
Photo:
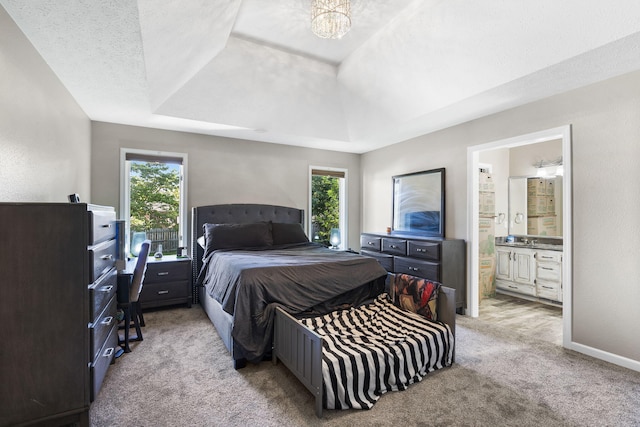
(164, 291)
(166, 272)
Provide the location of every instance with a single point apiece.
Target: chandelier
(330, 19)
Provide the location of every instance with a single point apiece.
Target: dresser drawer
(166, 272)
(164, 291)
(100, 327)
(384, 259)
(101, 258)
(424, 250)
(100, 364)
(101, 292)
(102, 226)
(394, 246)
(370, 242)
(419, 268)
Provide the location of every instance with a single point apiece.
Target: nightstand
(167, 281)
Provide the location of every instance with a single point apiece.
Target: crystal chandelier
(330, 19)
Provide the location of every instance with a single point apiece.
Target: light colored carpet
(181, 375)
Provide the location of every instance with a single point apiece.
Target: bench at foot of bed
(300, 348)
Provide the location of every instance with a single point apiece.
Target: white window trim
(125, 207)
(344, 202)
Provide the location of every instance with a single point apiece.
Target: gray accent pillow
(284, 233)
(236, 236)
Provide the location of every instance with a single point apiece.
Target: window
(152, 198)
(328, 205)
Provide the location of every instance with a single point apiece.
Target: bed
(258, 264)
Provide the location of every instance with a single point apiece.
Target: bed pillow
(231, 236)
(416, 294)
(284, 233)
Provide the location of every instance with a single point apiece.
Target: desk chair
(129, 287)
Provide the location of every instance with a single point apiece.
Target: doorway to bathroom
(505, 238)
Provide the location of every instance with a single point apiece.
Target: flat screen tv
(418, 203)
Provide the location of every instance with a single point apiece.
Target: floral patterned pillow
(416, 294)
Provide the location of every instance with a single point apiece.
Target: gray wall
(223, 170)
(45, 138)
(605, 121)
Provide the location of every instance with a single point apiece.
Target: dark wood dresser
(167, 281)
(441, 260)
(57, 310)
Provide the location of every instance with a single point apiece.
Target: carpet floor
(181, 375)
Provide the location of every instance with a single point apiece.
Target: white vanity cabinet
(532, 273)
(503, 263)
(516, 270)
(549, 275)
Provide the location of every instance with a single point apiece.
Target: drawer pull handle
(163, 292)
(106, 289)
(421, 250)
(163, 273)
(547, 268)
(547, 287)
(413, 268)
(106, 225)
(108, 352)
(512, 287)
(370, 243)
(107, 320)
(106, 257)
(393, 246)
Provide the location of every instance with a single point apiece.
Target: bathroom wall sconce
(549, 167)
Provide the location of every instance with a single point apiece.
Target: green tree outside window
(325, 207)
(154, 197)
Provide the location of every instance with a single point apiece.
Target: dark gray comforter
(250, 284)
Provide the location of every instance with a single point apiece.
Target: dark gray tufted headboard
(234, 214)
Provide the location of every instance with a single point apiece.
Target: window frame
(343, 203)
(125, 199)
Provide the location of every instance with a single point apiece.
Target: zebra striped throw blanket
(376, 348)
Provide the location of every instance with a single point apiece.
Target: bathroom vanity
(530, 268)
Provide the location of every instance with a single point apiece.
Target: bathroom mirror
(418, 203)
(535, 206)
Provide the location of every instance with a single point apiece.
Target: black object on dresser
(433, 258)
(57, 310)
(166, 282)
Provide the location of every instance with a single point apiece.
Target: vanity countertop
(552, 244)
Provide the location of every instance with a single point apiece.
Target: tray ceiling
(252, 69)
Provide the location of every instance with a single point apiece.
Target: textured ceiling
(252, 69)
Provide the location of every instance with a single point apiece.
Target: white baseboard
(607, 357)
